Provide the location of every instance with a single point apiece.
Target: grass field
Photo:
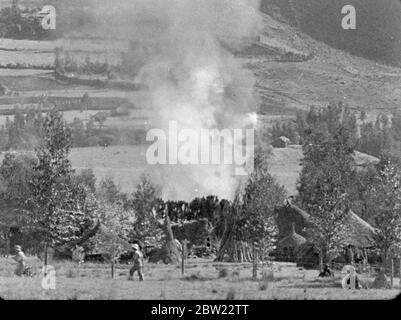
(203, 279)
(125, 164)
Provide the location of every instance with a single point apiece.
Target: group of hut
(293, 246)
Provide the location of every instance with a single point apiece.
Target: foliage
(376, 138)
(145, 203)
(385, 197)
(261, 195)
(116, 225)
(109, 192)
(15, 172)
(78, 254)
(60, 209)
(326, 177)
(16, 23)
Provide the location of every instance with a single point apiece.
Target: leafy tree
(250, 217)
(145, 203)
(109, 192)
(262, 193)
(385, 197)
(326, 178)
(60, 209)
(113, 236)
(15, 172)
(86, 178)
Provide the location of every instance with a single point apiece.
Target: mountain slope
(330, 75)
(378, 32)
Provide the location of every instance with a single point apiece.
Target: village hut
(289, 215)
(358, 239)
(281, 142)
(288, 246)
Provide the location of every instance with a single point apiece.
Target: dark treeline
(25, 131)
(17, 23)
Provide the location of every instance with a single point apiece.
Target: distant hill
(378, 32)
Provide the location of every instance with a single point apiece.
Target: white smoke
(190, 74)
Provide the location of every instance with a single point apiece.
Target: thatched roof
(359, 233)
(293, 240)
(298, 211)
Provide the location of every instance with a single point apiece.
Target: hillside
(329, 75)
(378, 31)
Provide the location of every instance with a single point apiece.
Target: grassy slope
(332, 75)
(377, 35)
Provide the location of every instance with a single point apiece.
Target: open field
(125, 164)
(202, 280)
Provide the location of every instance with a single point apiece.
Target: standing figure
(326, 272)
(20, 258)
(138, 263)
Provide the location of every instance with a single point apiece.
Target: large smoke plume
(189, 72)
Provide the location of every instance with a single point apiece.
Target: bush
(263, 285)
(231, 294)
(223, 273)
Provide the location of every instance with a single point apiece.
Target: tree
(262, 194)
(86, 178)
(145, 203)
(249, 219)
(15, 172)
(326, 179)
(108, 191)
(113, 236)
(386, 197)
(60, 209)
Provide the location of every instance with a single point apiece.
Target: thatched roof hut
(291, 214)
(293, 240)
(359, 233)
(288, 246)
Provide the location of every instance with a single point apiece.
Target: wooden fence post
(399, 273)
(254, 262)
(7, 246)
(183, 252)
(45, 259)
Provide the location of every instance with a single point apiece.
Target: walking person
(138, 263)
(20, 258)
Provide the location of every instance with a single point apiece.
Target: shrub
(70, 273)
(223, 273)
(231, 294)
